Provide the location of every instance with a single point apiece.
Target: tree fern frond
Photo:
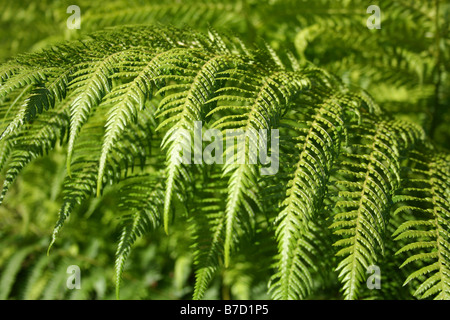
(90, 84)
(362, 204)
(141, 201)
(317, 148)
(40, 137)
(21, 113)
(140, 96)
(248, 111)
(127, 100)
(208, 230)
(184, 107)
(426, 229)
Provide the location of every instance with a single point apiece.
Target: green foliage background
(404, 66)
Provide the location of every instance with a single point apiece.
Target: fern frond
(141, 202)
(258, 106)
(90, 84)
(208, 230)
(40, 138)
(11, 270)
(425, 194)
(183, 105)
(134, 96)
(133, 145)
(368, 177)
(126, 101)
(318, 145)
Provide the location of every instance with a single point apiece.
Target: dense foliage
(90, 146)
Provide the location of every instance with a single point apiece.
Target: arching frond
(424, 196)
(368, 177)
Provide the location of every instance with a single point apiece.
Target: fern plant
(356, 186)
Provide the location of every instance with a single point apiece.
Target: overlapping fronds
(404, 69)
(425, 231)
(368, 174)
(318, 144)
(141, 201)
(310, 165)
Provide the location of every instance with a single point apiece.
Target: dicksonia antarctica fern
(117, 99)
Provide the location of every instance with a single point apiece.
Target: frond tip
(140, 201)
